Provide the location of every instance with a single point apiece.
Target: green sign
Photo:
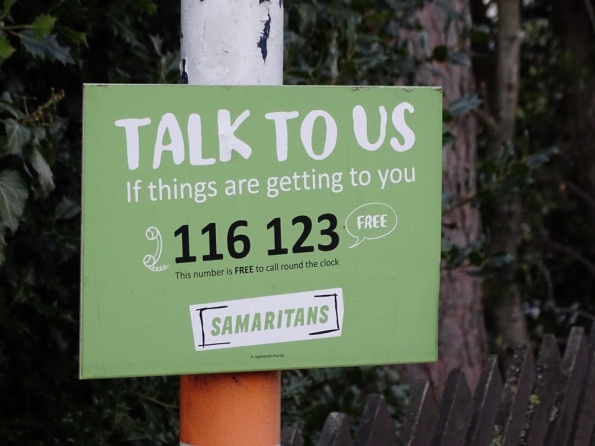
(257, 228)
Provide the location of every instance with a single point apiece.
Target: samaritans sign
(254, 228)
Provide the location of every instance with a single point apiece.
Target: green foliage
(308, 396)
(13, 196)
(48, 49)
(343, 42)
(554, 264)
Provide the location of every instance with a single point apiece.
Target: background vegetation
(48, 48)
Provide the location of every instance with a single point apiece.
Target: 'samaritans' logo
(268, 320)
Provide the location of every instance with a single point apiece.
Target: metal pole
(231, 42)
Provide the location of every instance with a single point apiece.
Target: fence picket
(421, 415)
(336, 431)
(574, 367)
(290, 437)
(547, 372)
(519, 382)
(551, 403)
(377, 428)
(486, 403)
(585, 417)
(455, 411)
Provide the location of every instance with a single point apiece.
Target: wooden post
(231, 42)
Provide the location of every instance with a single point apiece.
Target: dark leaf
(16, 136)
(542, 157)
(459, 58)
(480, 34)
(48, 47)
(464, 105)
(75, 36)
(9, 107)
(67, 209)
(13, 196)
(500, 260)
(44, 172)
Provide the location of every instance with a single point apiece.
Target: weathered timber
(584, 421)
(519, 382)
(547, 376)
(421, 416)
(336, 431)
(290, 437)
(377, 428)
(486, 403)
(574, 368)
(455, 411)
(551, 403)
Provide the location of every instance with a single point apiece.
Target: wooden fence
(551, 402)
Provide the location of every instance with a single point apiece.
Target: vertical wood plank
(486, 403)
(585, 419)
(421, 416)
(547, 377)
(574, 367)
(519, 382)
(377, 428)
(290, 437)
(336, 431)
(455, 411)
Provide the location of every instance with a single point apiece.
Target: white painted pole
(231, 42)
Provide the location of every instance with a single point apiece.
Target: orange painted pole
(231, 409)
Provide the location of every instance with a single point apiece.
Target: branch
(549, 285)
(591, 13)
(507, 68)
(38, 113)
(581, 193)
(153, 400)
(572, 253)
(459, 204)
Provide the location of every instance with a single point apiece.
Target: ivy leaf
(43, 26)
(6, 49)
(44, 172)
(48, 47)
(13, 196)
(67, 209)
(10, 108)
(16, 136)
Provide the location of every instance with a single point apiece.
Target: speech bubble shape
(370, 221)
